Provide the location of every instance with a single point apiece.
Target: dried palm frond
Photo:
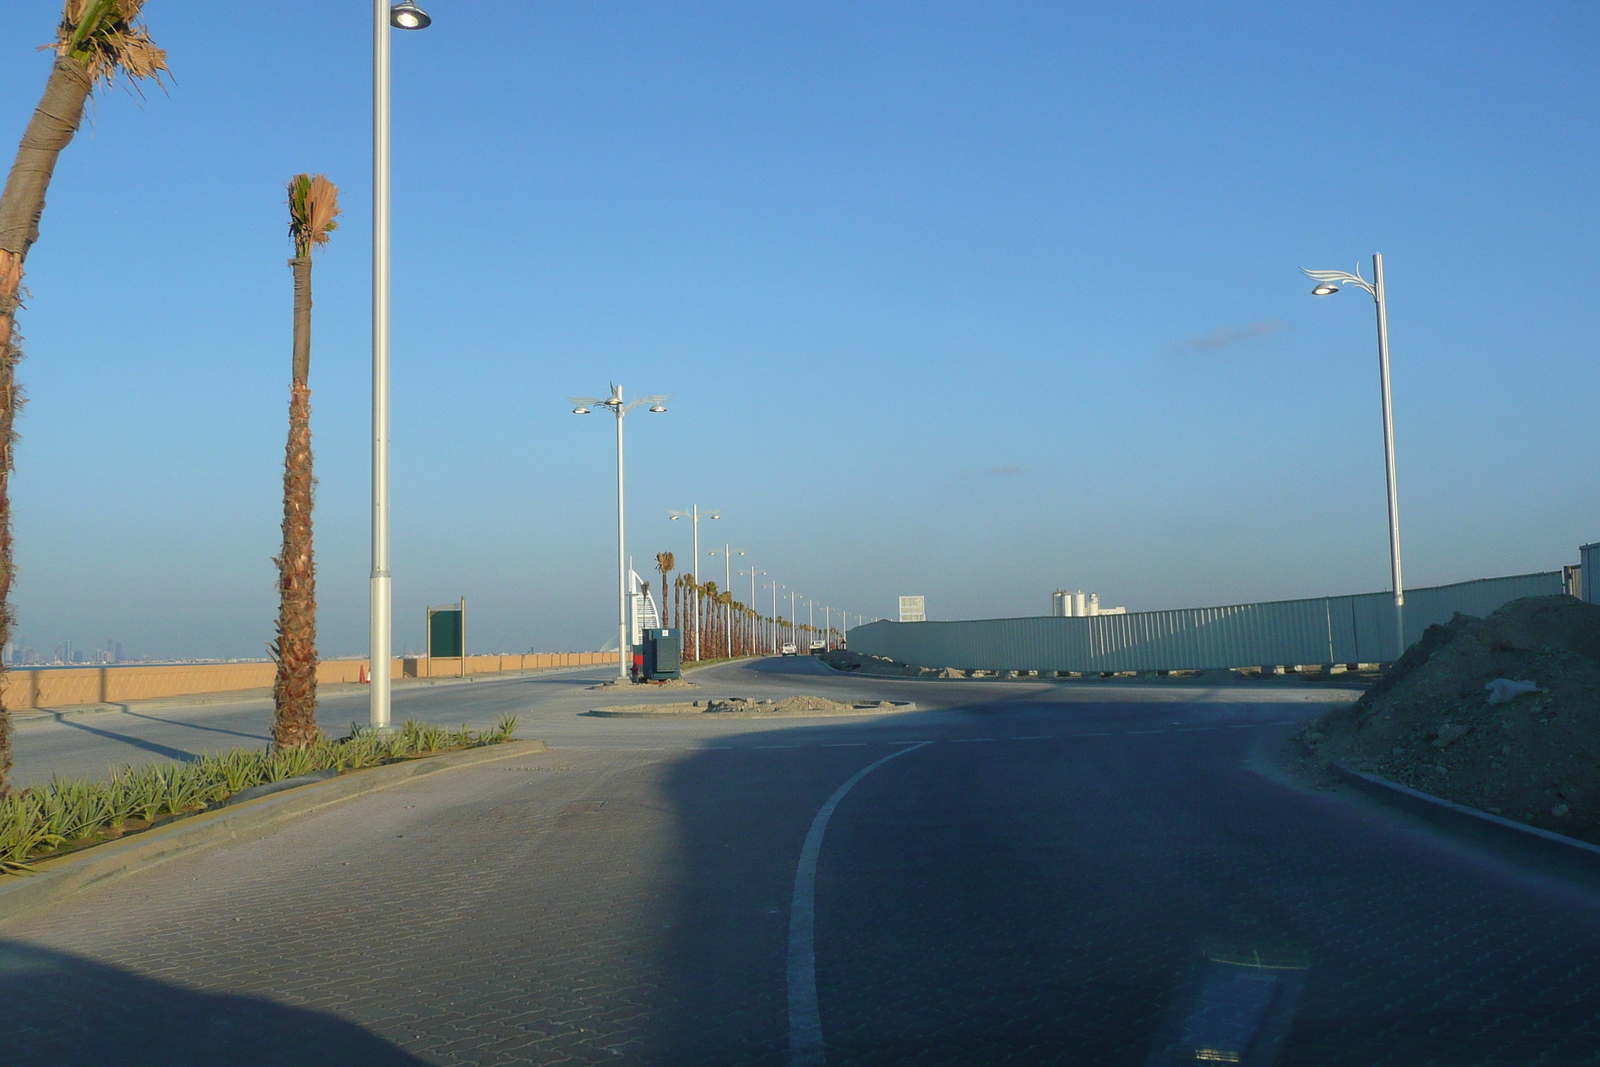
(102, 36)
(313, 206)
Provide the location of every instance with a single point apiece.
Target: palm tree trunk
(49, 131)
(295, 689)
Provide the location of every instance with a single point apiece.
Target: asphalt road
(1023, 874)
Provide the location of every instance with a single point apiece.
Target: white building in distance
(1074, 605)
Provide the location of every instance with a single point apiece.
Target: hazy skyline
(968, 301)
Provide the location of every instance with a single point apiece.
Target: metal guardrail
(1342, 629)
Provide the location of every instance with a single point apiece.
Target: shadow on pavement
(159, 749)
(1137, 897)
(66, 1011)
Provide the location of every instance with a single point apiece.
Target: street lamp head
(613, 402)
(580, 410)
(1324, 289)
(408, 16)
(658, 407)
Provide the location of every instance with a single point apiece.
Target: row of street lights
(620, 406)
(409, 16)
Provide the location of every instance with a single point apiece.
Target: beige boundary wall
(26, 688)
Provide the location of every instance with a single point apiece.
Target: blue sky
(967, 300)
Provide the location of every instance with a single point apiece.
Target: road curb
(707, 716)
(1518, 840)
(61, 878)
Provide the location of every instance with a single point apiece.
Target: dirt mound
(665, 683)
(788, 705)
(1429, 723)
(843, 660)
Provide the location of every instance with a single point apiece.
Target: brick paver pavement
(1049, 881)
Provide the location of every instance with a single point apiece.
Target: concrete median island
(745, 708)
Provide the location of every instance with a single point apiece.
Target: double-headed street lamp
(694, 515)
(620, 408)
(404, 16)
(727, 586)
(776, 585)
(755, 632)
(1328, 282)
(727, 554)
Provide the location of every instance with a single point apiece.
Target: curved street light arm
(1341, 276)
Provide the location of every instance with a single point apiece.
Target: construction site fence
(1333, 630)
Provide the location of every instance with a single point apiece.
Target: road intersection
(1030, 873)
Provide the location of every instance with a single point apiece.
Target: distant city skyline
(974, 302)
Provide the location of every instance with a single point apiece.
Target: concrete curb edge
(1505, 835)
(61, 878)
(689, 716)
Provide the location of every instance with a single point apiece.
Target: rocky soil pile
(1430, 724)
(843, 660)
(665, 683)
(786, 705)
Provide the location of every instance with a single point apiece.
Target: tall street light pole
(405, 16)
(776, 585)
(1327, 284)
(620, 408)
(727, 554)
(754, 623)
(694, 515)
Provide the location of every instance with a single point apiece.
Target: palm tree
(313, 205)
(686, 608)
(95, 42)
(665, 561)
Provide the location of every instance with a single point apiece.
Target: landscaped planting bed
(68, 815)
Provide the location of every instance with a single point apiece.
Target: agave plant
(289, 763)
(23, 832)
(188, 789)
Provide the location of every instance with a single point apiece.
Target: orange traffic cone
(364, 678)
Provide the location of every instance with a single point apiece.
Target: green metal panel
(444, 633)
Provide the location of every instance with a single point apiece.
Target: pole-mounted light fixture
(620, 408)
(1328, 282)
(408, 16)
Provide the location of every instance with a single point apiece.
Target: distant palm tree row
(725, 626)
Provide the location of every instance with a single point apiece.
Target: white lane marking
(805, 1019)
(1035, 737)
